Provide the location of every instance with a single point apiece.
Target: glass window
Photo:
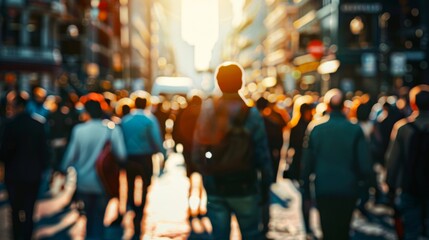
(34, 28)
(11, 27)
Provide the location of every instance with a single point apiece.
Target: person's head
(419, 98)
(261, 103)
(16, 102)
(39, 94)
(140, 103)
(306, 111)
(142, 99)
(126, 109)
(363, 111)
(334, 99)
(93, 108)
(229, 76)
(195, 97)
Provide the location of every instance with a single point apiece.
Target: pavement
(168, 216)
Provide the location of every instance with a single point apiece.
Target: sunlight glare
(200, 28)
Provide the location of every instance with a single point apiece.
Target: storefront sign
(361, 7)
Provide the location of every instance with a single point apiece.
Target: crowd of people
(341, 150)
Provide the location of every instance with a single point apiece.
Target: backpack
(419, 162)
(107, 168)
(229, 161)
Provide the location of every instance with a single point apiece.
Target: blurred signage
(361, 7)
(398, 64)
(369, 64)
(415, 55)
(308, 67)
(316, 48)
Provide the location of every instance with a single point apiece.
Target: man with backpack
(408, 166)
(231, 152)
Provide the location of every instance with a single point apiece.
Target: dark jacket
(335, 150)
(297, 134)
(23, 149)
(398, 151)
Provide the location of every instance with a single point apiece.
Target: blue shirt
(142, 133)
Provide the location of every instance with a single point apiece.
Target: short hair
(94, 109)
(363, 111)
(261, 103)
(140, 102)
(305, 107)
(229, 76)
(125, 109)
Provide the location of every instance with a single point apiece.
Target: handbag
(108, 169)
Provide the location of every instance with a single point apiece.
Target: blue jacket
(142, 134)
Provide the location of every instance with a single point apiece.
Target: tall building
(379, 46)
(29, 50)
(42, 40)
(281, 43)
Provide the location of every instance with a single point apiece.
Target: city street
(331, 94)
(167, 213)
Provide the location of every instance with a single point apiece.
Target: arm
(308, 159)
(118, 145)
(261, 149)
(308, 164)
(44, 148)
(364, 160)
(393, 161)
(71, 153)
(5, 143)
(156, 138)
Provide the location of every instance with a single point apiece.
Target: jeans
(414, 213)
(138, 165)
(246, 210)
(94, 208)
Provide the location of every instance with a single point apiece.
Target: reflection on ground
(175, 210)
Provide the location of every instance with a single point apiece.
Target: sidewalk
(167, 211)
(167, 215)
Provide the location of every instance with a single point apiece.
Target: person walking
(336, 152)
(142, 139)
(232, 190)
(24, 151)
(184, 128)
(302, 116)
(408, 181)
(86, 142)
